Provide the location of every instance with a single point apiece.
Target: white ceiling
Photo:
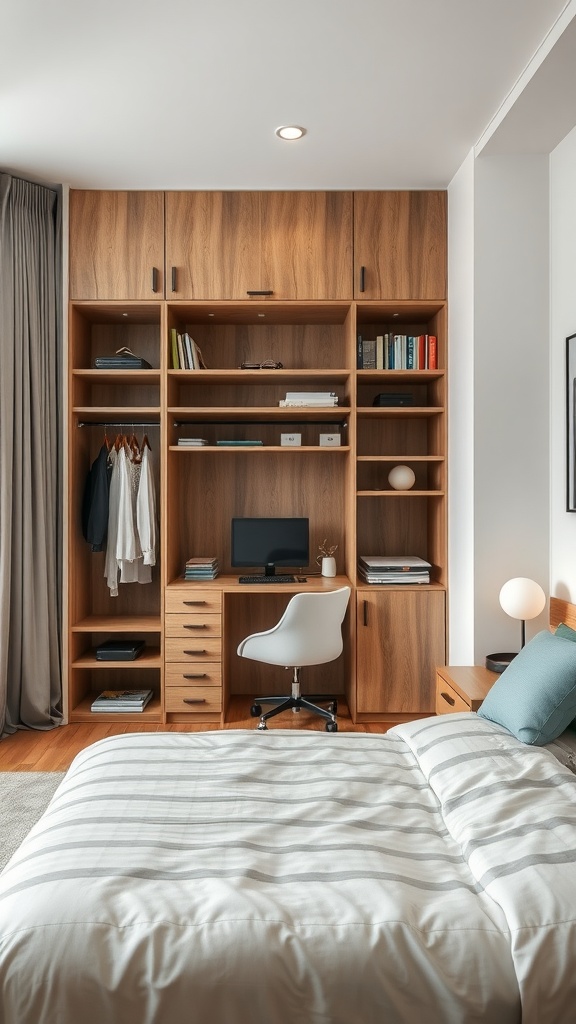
(183, 94)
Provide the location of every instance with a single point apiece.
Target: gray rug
(23, 798)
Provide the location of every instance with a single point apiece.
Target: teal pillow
(565, 631)
(535, 697)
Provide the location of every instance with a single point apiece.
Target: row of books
(307, 399)
(396, 569)
(192, 442)
(186, 354)
(201, 568)
(121, 701)
(397, 352)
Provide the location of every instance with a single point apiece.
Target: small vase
(328, 567)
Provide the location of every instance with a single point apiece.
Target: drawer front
(193, 698)
(447, 700)
(192, 625)
(207, 674)
(181, 601)
(193, 648)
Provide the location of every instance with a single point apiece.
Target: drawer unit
(193, 654)
(190, 699)
(462, 687)
(447, 700)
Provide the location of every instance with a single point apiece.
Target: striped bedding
(286, 877)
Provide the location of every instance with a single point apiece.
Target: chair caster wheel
(262, 727)
(331, 727)
(255, 711)
(333, 707)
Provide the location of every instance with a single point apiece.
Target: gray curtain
(31, 448)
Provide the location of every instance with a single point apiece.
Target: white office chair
(309, 633)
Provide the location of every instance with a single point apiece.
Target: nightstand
(462, 687)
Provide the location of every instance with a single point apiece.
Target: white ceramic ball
(401, 478)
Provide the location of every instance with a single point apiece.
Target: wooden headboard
(562, 611)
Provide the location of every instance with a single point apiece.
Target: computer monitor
(270, 542)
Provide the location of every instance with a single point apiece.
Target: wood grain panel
(400, 240)
(116, 239)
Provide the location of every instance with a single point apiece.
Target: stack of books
(394, 569)
(185, 352)
(121, 701)
(192, 442)
(314, 399)
(201, 569)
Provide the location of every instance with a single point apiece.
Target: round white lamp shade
(401, 478)
(522, 598)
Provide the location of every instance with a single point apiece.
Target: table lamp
(523, 599)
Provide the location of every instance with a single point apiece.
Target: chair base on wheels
(297, 703)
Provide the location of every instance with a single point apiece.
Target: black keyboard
(267, 579)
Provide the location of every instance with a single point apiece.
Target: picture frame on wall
(571, 423)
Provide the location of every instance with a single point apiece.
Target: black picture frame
(571, 423)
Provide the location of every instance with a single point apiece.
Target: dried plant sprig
(327, 549)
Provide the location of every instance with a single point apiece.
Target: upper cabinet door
(212, 244)
(400, 245)
(116, 245)
(307, 244)
(277, 245)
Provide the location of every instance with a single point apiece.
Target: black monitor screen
(270, 542)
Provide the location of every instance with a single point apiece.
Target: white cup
(328, 567)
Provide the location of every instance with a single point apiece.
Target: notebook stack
(192, 442)
(394, 569)
(201, 569)
(121, 701)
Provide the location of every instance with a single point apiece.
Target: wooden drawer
(207, 674)
(193, 698)
(200, 648)
(447, 700)
(192, 625)
(185, 600)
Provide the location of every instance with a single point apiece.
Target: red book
(421, 352)
(432, 352)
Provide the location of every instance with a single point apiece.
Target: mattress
(428, 874)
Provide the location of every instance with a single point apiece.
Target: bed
(292, 877)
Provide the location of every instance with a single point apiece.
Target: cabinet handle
(201, 626)
(193, 700)
(194, 602)
(449, 700)
(154, 279)
(194, 675)
(362, 278)
(194, 652)
(174, 288)
(256, 291)
(365, 613)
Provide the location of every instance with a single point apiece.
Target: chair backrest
(309, 632)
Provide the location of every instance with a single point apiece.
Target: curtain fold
(31, 450)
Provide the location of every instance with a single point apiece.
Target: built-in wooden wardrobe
(294, 277)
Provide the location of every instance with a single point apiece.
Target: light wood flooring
(34, 751)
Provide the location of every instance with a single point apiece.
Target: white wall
(562, 324)
(461, 416)
(511, 396)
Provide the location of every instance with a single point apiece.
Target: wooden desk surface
(230, 584)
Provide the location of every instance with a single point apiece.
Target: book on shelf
(239, 444)
(192, 442)
(397, 352)
(308, 399)
(122, 700)
(201, 568)
(186, 354)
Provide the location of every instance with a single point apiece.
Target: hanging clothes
(95, 503)
(131, 550)
(146, 508)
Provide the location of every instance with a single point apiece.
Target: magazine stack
(121, 701)
(201, 569)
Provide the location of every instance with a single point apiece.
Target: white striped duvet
(298, 878)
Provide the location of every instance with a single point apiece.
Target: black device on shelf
(270, 542)
(394, 398)
(119, 650)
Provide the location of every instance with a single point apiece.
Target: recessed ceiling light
(290, 132)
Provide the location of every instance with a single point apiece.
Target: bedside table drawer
(180, 600)
(447, 700)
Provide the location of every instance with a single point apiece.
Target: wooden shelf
(400, 458)
(385, 493)
(258, 413)
(399, 411)
(82, 713)
(125, 414)
(118, 624)
(268, 448)
(93, 376)
(237, 376)
(149, 658)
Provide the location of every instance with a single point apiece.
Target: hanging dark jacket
(95, 501)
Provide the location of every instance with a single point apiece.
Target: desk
(205, 622)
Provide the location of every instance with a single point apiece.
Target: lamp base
(498, 662)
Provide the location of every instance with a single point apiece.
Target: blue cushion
(535, 697)
(565, 631)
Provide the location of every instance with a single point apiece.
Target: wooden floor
(32, 751)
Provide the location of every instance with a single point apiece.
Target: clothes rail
(118, 423)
